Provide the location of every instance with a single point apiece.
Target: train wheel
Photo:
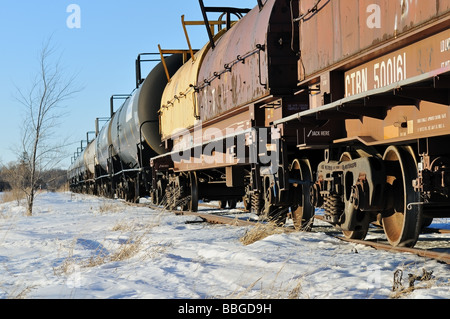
(230, 203)
(130, 195)
(269, 199)
(257, 203)
(193, 203)
(270, 211)
(247, 199)
(171, 202)
(302, 210)
(402, 226)
(223, 204)
(362, 232)
(158, 194)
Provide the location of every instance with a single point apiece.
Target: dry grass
(109, 207)
(270, 288)
(16, 195)
(296, 292)
(126, 250)
(292, 290)
(109, 250)
(259, 232)
(426, 280)
(22, 294)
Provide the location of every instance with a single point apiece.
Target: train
(290, 107)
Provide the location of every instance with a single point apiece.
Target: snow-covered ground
(77, 247)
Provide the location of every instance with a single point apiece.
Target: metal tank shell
(140, 111)
(90, 158)
(352, 32)
(125, 132)
(103, 149)
(251, 61)
(150, 99)
(78, 169)
(178, 110)
(71, 172)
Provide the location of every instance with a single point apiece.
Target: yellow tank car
(178, 110)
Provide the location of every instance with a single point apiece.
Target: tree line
(15, 176)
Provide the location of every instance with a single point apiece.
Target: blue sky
(102, 54)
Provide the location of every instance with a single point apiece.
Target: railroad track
(235, 220)
(379, 245)
(439, 256)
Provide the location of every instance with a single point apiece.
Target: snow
(84, 247)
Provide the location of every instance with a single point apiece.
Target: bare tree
(43, 105)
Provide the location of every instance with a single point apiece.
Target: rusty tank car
(378, 82)
(298, 105)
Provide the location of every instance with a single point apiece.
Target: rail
(443, 257)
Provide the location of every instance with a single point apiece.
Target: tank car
(353, 91)
(103, 153)
(297, 106)
(81, 173)
(376, 85)
(76, 175)
(120, 155)
(212, 113)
